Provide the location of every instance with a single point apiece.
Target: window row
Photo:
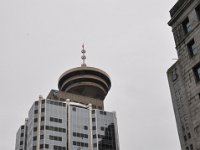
(94, 106)
(102, 112)
(59, 147)
(75, 134)
(190, 147)
(55, 138)
(56, 103)
(36, 119)
(35, 137)
(107, 146)
(36, 110)
(99, 136)
(57, 129)
(51, 128)
(188, 136)
(21, 143)
(42, 146)
(80, 144)
(105, 137)
(37, 102)
(55, 119)
(46, 146)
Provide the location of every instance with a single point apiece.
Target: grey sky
(129, 39)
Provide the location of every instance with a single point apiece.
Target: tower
(184, 75)
(72, 117)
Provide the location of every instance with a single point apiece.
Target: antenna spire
(83, 57)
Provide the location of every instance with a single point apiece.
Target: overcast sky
(129, 39)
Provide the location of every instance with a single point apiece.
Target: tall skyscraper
(72, 117)
(184, 75)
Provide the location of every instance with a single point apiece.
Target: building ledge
(177, 9)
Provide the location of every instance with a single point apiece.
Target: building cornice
(178, 9)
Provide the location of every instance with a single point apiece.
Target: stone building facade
(184, 75)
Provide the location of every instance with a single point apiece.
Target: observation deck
(86, 81)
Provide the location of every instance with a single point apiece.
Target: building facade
(73, 117)
(184, 75)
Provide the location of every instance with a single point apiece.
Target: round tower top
(86, 81)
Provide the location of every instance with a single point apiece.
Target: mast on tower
(83, 57)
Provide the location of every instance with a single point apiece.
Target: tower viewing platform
(86, 81)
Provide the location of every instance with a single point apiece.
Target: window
(42, 128)
(78, 135)
(34, 138)
(36, 103)
(22, 127)
(34, 147)
(183, 128)
(74, 108)
(189, 135)
(46, 145)
(74, 133)
(93, 111)
(102, 128)
(35, 119)
(186, 25)
(191, 147)
(198, 11)
(43, 101)
(85, 127)
(185, 138)
(22, 134)
(21, 142)
(95, 144)
(94, 128)
(42, 118)
(43, 109)
(85, 136)
(100, 136)
(35, 111)
(93, 119)
(192, 48)
(35, 129)
(41, 146)
(99, 107)
(86, 145)
(42, 136)
(196, 71)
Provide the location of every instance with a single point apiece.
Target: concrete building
(72, 117)
(184, 75)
